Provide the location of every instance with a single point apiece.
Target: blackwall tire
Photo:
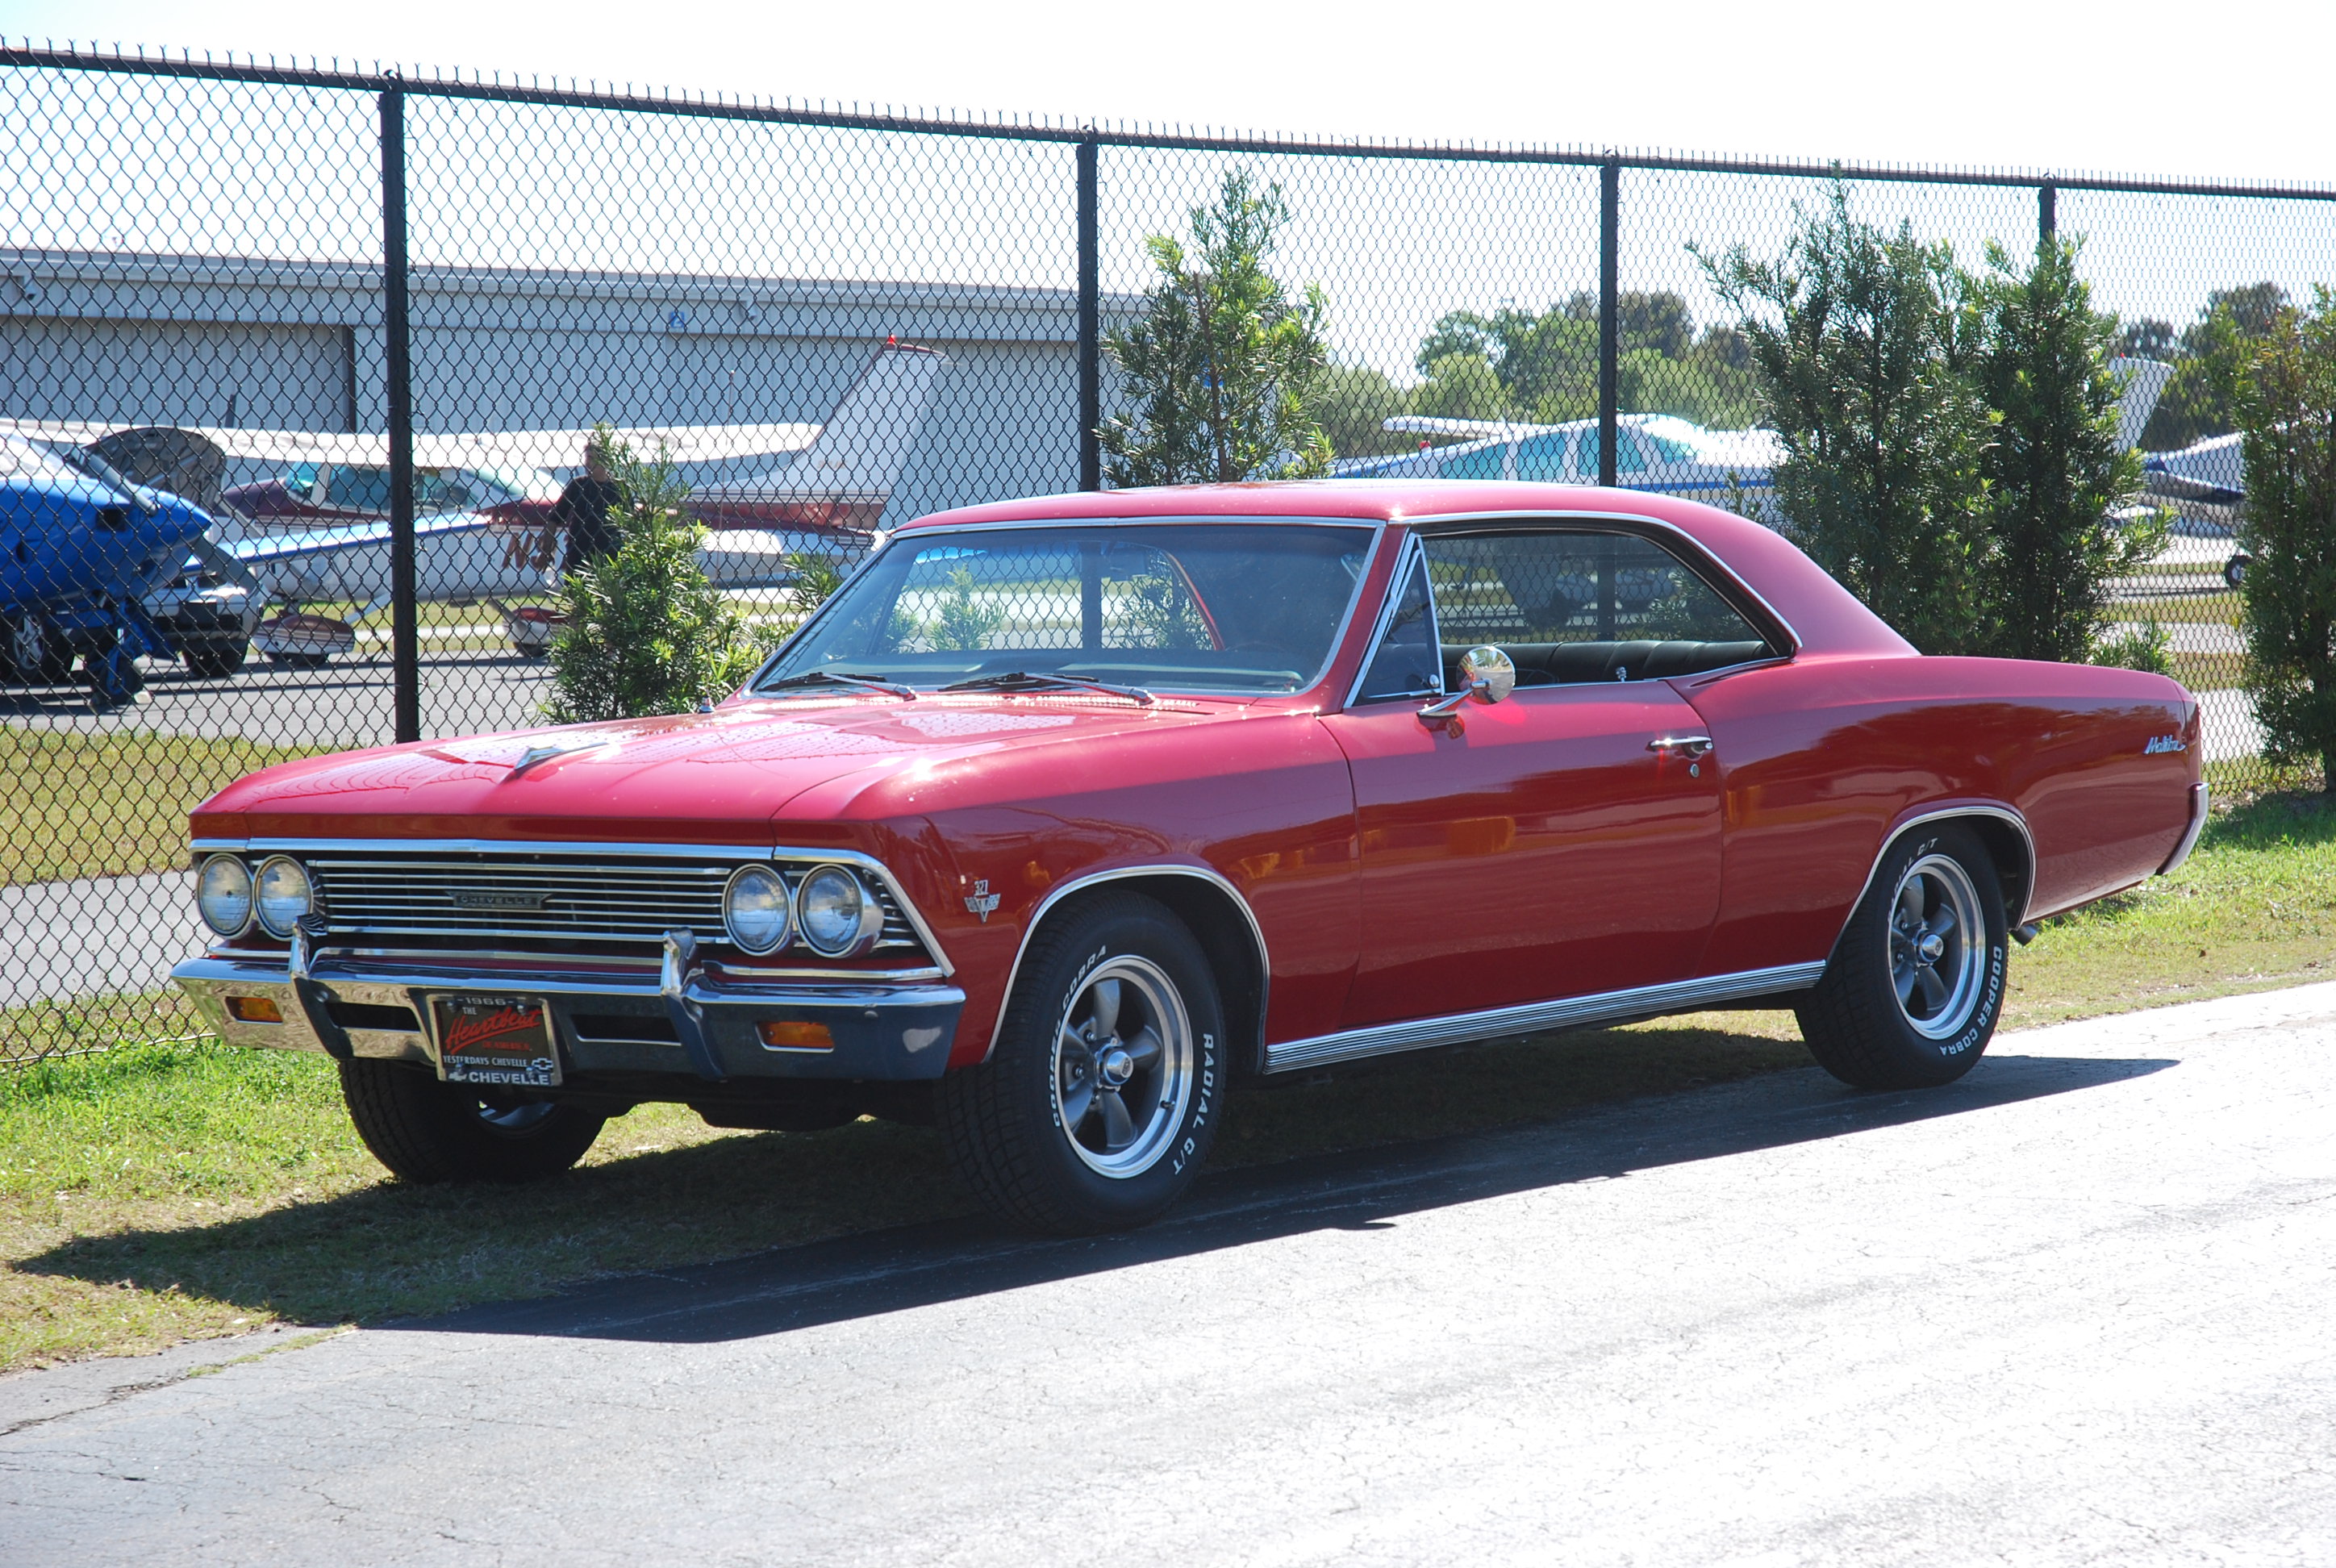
(1916, 985)
(216, 659)
(1097, 1107)
(426, 1131)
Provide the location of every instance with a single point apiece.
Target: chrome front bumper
(680, 1021)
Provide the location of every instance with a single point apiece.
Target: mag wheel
(1099, 1104)
(427, 1131)
(1916, 985)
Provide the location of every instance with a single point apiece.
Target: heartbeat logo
(478, 1029)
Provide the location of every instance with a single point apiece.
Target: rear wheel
(1101, 1100)
(426, 1131)
(1916, 985)
(216, 658)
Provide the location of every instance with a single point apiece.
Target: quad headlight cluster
(831, 909)
(232, 897)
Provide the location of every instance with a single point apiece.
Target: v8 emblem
(981, 901)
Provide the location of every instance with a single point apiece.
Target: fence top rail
(496, 87)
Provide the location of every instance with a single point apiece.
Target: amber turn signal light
(796, 1035)
(255, 1009)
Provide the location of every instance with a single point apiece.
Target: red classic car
(1064, 813)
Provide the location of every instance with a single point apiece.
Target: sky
(2235, 90)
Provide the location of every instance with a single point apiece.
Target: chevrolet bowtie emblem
(981, 901)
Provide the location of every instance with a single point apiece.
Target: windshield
(1193, 607)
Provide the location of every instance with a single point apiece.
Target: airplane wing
(1428, 424)
(505, 448)
(307, 544)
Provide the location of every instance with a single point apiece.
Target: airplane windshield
(1250, 607)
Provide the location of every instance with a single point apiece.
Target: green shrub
(2286, 403)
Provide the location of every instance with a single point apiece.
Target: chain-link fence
(301, 364)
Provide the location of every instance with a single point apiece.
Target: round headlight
(223, 894)
(754, 909)
(840, 917)
(280, 893)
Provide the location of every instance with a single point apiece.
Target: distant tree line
(1541, 368)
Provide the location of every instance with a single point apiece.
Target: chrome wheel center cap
(1116, 1066)
(1931, 946)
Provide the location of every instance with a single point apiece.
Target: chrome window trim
(853, 858)
(1409, 551)
(1943, 814)
(1377, 527)
(1535, 1018)
(1671, 530)
(1062, 891)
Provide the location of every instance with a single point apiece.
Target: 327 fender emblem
(981, 901)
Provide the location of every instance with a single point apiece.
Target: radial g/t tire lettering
(1098, 1106)
(1916, 984)
(426, 1131)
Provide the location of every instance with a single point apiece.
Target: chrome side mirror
(1487, 674)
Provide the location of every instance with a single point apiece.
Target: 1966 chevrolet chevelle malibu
(1065, 814)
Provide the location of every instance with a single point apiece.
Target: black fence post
(2047, 217)
(404, 651)
(1090, 324)
(1609, 305)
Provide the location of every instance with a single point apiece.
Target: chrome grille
(572, 897)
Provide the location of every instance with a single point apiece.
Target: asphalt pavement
(2073, 1309)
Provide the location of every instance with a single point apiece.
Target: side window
(1570, 606)
(1407, 662)
(1542, 456)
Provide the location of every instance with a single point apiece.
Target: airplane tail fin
(860, 449)
(2143, 380)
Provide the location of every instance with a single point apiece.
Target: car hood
(719, 777)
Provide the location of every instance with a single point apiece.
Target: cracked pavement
(2081, 1307)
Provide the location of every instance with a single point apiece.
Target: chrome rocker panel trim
(881, 1031)
(1533, 1018)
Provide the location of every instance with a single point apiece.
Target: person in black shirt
(583, 509)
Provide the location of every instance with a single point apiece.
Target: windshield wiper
(1014, 678)
(836, 677)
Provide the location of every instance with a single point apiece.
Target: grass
(155, 1193)
(101, 806)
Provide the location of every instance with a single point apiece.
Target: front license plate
(502, 1040)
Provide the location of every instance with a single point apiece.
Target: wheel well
(1223, 929)
(2007, 845)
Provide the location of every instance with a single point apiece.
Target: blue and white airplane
(80, 547)
(1652, 452)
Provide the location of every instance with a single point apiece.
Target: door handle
(1685, 745)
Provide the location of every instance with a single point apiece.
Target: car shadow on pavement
(921, 1265)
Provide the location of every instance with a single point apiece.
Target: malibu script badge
(501, 1040)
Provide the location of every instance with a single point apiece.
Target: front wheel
(425, 1131)
(1916, 985)
(1099, 1104)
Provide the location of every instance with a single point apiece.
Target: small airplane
(1652, 452)
(2205, 483)
(82, 547)
(320, 532)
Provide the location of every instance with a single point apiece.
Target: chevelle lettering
(1064, 813)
